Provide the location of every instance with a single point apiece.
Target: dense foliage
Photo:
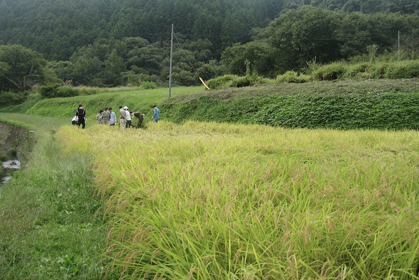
(288, 43)
(58, 28)
(307, 34)
(20, 68)
(111, 43)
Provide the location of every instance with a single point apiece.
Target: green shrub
(221, 82)
(403, 70)
(356, 70)
(330, 72)
(293, 77)
(241, 82)
(148, 85)
(379, 70)
(66, 91)
(10, 98)
(248, 81)
(48, 91)
(52, 91)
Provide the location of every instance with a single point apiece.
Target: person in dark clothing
(140, 117)
(81, 114)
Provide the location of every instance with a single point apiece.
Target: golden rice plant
(224, 201)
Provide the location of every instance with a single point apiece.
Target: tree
(20, 68)
(86, 71)
(211, 70)
(114, 66)
(258, 53)
(303, 35)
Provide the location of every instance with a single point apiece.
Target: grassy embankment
(225, 201)
(378, 104)
(47, 225)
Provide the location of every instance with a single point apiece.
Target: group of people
(108, 117)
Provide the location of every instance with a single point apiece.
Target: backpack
(80, 112)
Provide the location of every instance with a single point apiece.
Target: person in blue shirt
(156, 114)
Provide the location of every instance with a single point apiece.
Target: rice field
(225, 201)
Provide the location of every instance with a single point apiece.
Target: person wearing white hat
(128, 117)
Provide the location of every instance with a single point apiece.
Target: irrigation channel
(9, 167)
(15, 146)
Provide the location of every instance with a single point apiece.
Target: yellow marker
(204, 83)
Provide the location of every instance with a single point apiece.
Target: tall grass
(220, 201)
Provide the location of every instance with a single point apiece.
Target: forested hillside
(56, 28)
(127, 42)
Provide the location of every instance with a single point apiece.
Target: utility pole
(399, 46)
(170, 70)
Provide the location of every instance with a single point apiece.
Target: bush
(293, 77)
(356, 70)
(379, 70)
(48, 91)
(52, 91)
(221, 82)
(10, 98)
(235, 81)
(66, 91)
(148, 85)
(403, 70)
(249, 81)
(241, 82)
(330, 72)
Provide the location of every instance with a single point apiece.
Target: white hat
(125, 108)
